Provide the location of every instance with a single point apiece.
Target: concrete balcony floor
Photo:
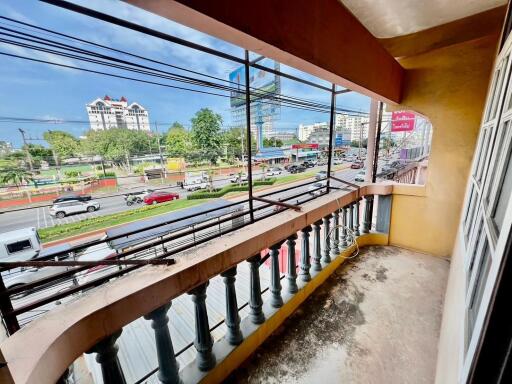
(375, 320)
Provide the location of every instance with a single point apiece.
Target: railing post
(11, 322)
(168, 367)
(255, 300)
(275, 276)
(234, 335)
(304, 255)
(317, 248)
(344, 241)
(203, 341)
(335, 234)
(291, 274)
(106, 356)
(367, 220)
(356, 218)
(327, 229)
(351, 217)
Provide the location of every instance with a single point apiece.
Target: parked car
(274, 171)
(337, 161)
(357, 165)
(322, 175)
(70, 207)
(308, 164)
(314, 189)
(296, 169)
(72, 197)
(360, 175)
(237, 178)
(160, 197)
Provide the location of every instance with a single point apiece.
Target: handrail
(66, 332)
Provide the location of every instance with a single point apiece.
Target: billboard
(305, 146)
(258, 79)
(402, 121)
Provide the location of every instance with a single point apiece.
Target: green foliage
(39, 153)
(232, 139)
(205, 133)
(64, 144)
(72, 174)
(15, 175)
(272, 142)
(139, 168)
(355, 143)
(178, 141)
(216, 193)
(107, 175)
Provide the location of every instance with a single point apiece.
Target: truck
(20, 245)
(196, 180)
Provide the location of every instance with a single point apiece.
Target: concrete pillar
(327, 247)
(276, 299)
(356, 218)
(335, 234)
(106, 355)
(255, 300)
(291, 274)
(203, 341)
(367, 220)
(317, 249)
(344, 228)
(234, 335)
(168, 367)
(305, 263)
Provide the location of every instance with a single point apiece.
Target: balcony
(329, 269)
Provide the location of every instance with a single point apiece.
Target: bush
(216, 193)
(72, 174)
(107, 175)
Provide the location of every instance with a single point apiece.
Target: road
(40, 217)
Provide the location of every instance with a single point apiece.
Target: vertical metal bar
(377, 144)
(248, 123)
(331, 129)
(11, 322)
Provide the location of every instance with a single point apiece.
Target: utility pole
(25, 145)
(160, 151)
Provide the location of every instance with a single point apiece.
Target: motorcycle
(132, 199)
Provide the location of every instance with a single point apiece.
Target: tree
(40, 153)
(15, 175)
(64, 145)
(232, 138)
(272, 142)
(178, 141)
(206, 135)
(263, 167)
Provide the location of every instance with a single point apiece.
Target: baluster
(351, 217)
(203, 341)
(335, 234)
(356, 218)
(367, 220)
(106, 355)
(344, 242)
(327, 229)
(234, 335)
(255, 300)
(304, 255)
(275, 276)
(317, 248)
(168, 367)
(291, 275)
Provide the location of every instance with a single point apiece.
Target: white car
(360, 175)
(66, 208)
(274, 171)
(235, 178)
(195, 186)
(314, 189)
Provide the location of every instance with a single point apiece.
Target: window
(19, 246)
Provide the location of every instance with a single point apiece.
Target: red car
(357, 165)
(160, 197)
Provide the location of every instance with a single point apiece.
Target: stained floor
(375, 320)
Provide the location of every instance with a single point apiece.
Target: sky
(40, 91)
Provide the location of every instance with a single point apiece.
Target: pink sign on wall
(402, 121)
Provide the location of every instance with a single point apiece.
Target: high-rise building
(108, 113)
(357, 125)
(306, 130)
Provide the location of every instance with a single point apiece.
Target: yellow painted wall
(449, 86)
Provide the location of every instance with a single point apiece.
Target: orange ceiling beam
(320, 37)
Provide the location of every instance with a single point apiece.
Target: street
(40, 217)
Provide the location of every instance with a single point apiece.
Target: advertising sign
(402, 121)
(304, 146)
(258, 80)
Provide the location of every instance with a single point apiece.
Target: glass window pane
(505, 187)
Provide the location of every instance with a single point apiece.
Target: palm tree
(263, 167)
(15, 175)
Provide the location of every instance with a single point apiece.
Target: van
(19, 245)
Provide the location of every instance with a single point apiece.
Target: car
(237, 178)
(357, 165)
(320, 163)
(72, 197)
(360, 175)
(337, 161)
(314, 189)
(65, 208)
(160, 197)
(296, 169)
(274, 171)
(308, 164)
(322, 175)
(196, 186)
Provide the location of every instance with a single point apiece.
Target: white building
(306, 130)
(357, 125)
(110, 113)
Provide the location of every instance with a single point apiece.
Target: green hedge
(219, 192)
